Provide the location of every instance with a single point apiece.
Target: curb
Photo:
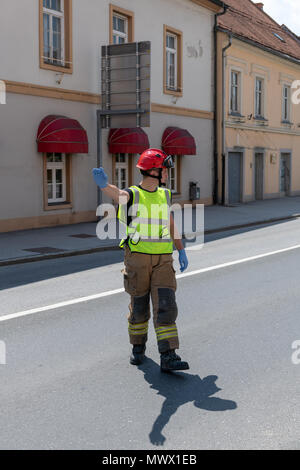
(252, 224)
(65, 254)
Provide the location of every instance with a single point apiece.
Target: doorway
(234, 177)
(259, 176)
(285, 174)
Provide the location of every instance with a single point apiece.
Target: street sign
(125, 85)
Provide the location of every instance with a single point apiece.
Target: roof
(249, 22)
(291, 33)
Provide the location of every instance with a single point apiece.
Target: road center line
(119, 291)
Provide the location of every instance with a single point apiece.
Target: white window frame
(53, 166)
(238, 87)
(120, 166)
(119, 34)
(58, 14)
(175, 179)
(168, 53)
(286, 99)
(262, 95)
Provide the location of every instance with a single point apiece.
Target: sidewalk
(70, 240)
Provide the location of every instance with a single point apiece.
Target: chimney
(260, 5)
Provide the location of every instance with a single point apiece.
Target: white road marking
(239, 261)
(119, 291)
(60, 304)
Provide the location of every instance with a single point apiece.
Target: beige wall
(249, 134)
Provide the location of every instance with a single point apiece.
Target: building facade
(51, 72)
(261, 154)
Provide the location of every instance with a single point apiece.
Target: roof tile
(244, 18)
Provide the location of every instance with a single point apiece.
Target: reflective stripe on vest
(140, 232)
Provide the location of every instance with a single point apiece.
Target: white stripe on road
(239, 261)
(119, 291)
(60, 304)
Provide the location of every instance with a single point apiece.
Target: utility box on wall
(194, 191)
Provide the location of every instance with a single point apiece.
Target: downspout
(224, 116)
(216, 163)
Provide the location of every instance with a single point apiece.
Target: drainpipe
(216, 163)
(224, 115)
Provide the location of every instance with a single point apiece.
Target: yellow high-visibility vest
(149, 230)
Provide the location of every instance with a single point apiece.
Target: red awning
(133, 140)
(62, 135)
(178, 141)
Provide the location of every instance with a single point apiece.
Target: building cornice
(266, 130)
(92, 98)
(188, 112)
(213, 5)
(51, 92)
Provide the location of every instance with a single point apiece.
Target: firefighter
(149, 272)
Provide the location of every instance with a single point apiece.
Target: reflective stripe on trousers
(166, 332)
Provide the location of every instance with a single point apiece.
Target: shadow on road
(178, 389)
(23, 274)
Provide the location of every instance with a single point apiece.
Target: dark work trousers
(151, 275)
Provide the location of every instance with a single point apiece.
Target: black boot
(170, 361)
(138, 354)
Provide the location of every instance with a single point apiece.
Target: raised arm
(101, 179)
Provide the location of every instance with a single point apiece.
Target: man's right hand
(100, 177)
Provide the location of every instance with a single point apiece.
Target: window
(172, 61)
(259, 98)
(120, 29)
(174, 175)
(279, 37)
(286, 103)
(57, 181)
(53, 21)
(55, 35)
(235, 93)
(56, 177)
(121, 25)
(121, 170)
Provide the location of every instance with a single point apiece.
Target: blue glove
(100, 177)
(183, 261)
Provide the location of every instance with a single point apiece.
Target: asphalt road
(67, 383)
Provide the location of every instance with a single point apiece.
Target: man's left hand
(183, 261)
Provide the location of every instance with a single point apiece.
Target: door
(285, 177)
(234, 177)
(259, 176)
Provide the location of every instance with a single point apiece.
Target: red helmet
(154, 158)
